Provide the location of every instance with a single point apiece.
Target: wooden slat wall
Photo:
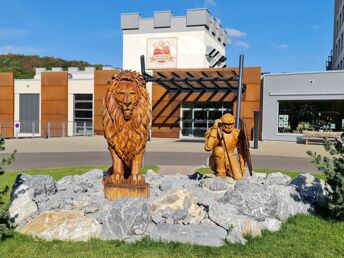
(54, 101)
(6, 104)
(101, 78)
(251, 98)
(166, 106)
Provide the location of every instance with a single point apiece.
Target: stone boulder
(22, 207)
(311, 189)
(254, 200)
(63, 225)
(126, 218)
(181, 204)
(40, 184)
(192, 234)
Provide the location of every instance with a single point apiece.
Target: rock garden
(199, 209)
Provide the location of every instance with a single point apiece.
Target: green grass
(292, 174)
(300, 236)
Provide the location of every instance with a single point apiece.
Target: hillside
(24, 66)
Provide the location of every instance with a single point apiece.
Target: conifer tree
(333, 168)
(4, 161)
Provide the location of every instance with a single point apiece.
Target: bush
(4, 161)
(333, 168)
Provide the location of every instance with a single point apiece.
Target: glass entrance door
(197, 118)
(200, 117)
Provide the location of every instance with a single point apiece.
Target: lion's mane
(126, 138)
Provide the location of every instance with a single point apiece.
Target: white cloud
(9, 49)
(210, 2)
(13, 33)
(234, 36)
(239, 43)
(235, 33)
(283, 46)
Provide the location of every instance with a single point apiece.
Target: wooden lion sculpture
(126, 117)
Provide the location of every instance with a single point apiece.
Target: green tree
(4, 161)
(333, 168)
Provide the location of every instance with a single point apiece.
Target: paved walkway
(98, 143)
(172, 155)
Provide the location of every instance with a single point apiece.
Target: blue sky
(280, 36)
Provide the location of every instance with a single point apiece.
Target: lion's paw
(136, 179)
(117, 178)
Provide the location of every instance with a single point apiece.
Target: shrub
(333, 168)
(4, 161)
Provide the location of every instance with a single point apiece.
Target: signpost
(16, 129)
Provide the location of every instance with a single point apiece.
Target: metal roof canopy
(193, 80)
(175, 81)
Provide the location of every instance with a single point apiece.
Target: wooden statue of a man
(222, 139)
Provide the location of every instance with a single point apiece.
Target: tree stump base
(113, 191)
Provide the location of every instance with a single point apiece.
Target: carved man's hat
(228, 119)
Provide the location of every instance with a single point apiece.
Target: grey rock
(277, 179)
(125, 217)
(194, 234)
(65, 183)
(41, 198)
(40, 184)
(150, 172)
(180, 215)
(217, 184)
(91, 182)
(197, 176)
(312, 190)
(235, 237)
(288, 202)
(241, 226)
(59, 201)
(270, 224)
(133, 239)
(165, 185)
(166, 213)
(178, 199)
(259, 175)
(221, 213)
(22, 207)
(91, 208)
(157, 217)
(180, 176)
(254, 200)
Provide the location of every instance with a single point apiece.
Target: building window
(340, 18)
(311, 115)
(83, 114)
(339, 43)
(198, 117)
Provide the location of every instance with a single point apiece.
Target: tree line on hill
(23, 66)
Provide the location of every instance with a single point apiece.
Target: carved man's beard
(228, 129)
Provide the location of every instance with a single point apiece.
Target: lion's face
(127, 95)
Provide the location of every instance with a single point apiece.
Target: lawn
(300, 236)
